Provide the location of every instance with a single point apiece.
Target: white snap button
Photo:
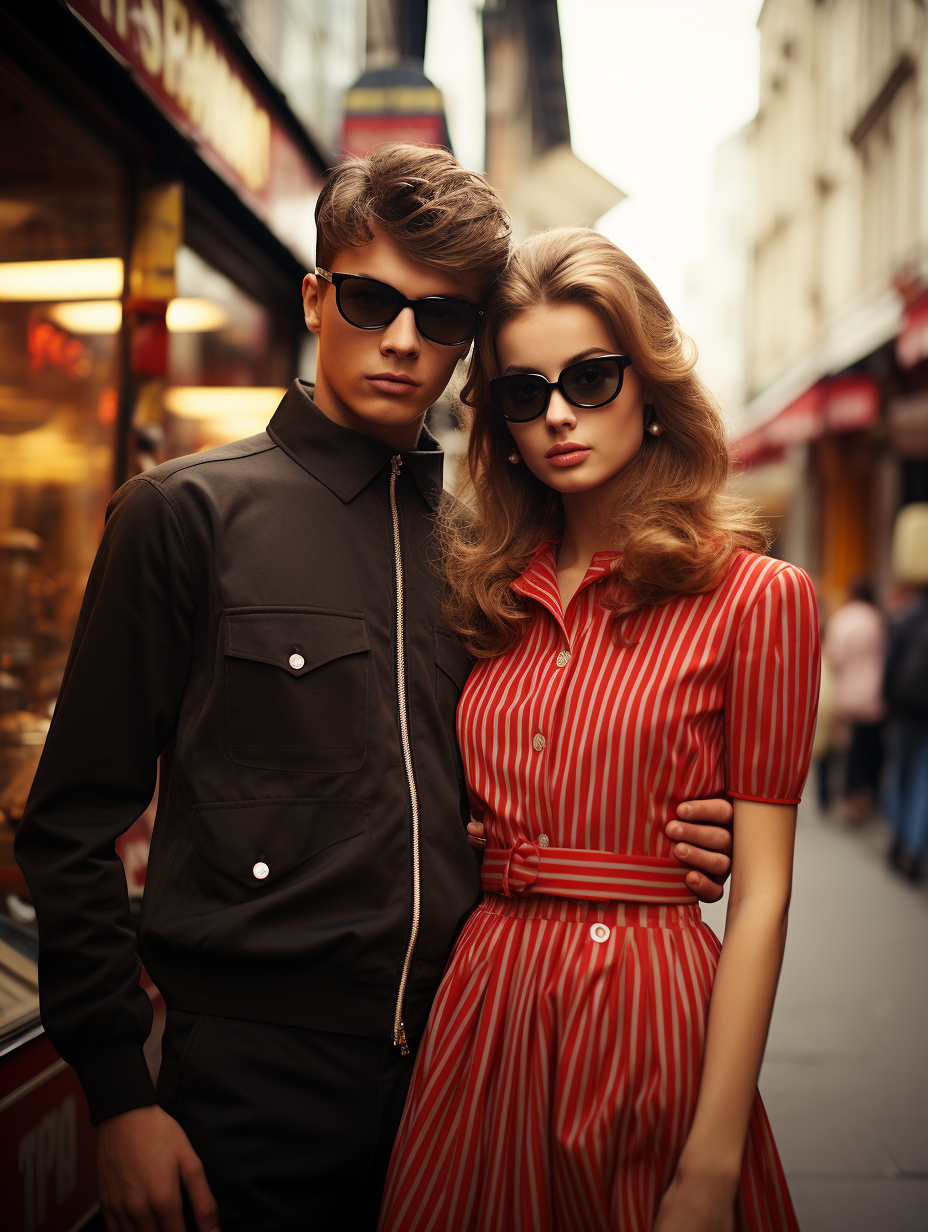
(538, 742)
(563, 658)
(599, 932)
(260, 870)
(296, 662)
(542, 840)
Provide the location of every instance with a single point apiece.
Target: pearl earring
(655, 428)
(515, 457)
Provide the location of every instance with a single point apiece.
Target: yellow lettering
(191, 84)
(176, 34)
(150, 37)
(122, 20)
(262, 149)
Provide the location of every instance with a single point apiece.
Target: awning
(837, 404)
(912, 342)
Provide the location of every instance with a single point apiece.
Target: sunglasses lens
(519, 397)
(367, 304)
(594, 382)
(448, 321)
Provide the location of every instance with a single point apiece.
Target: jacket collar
(343, 460)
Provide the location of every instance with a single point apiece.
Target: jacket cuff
(115, 1080)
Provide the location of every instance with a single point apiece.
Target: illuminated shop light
(223, 402)
(195, 316)
(89, 316)
(34, 281)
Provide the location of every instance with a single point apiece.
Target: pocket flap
(452, 658)
(294, 638)
(257, 842)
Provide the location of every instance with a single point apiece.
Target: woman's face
(546, 340)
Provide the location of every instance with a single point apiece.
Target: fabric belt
(528, 868)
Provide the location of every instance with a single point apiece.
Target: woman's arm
(702, 1194)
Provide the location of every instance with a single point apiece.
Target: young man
(266, 618)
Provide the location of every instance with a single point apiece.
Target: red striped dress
(558, 1074)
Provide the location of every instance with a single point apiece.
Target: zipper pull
(395, 463)
(400, 1038)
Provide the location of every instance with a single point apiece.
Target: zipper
(399, 1031)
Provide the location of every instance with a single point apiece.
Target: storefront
(811, 468)
(155, 224)
(835, 465)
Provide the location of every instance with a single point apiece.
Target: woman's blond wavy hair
(674, 521)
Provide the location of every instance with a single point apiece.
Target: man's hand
(143, 1159)
(706, 848)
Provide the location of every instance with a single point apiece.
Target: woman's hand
(696, 1204)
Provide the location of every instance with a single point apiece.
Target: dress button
(260, 870)
(538, 742)
(563, 658)
(599, 932)
(542, 840)
(296, 662)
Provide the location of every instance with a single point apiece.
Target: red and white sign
(178, 55)
(48, 1174)
(852, 402)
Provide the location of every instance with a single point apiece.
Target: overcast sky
(653, 87)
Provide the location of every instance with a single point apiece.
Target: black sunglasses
(591, 382)
(368, 304)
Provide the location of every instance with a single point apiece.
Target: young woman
(592, 1057)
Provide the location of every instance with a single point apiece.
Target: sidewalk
(845, 1079)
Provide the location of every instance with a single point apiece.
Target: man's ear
(312, 303)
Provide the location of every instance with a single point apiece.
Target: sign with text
(179, 57)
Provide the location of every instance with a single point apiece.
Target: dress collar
(539, 578)
(343, 460)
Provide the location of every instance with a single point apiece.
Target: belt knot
(520, 868)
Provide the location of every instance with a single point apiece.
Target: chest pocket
(296, 688)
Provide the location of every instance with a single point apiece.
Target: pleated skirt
(558, 1074)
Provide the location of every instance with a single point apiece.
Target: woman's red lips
(567, 453)
(566, 447)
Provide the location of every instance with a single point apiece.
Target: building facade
(831, 437)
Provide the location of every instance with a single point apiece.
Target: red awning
(837, 404)
(912, 343)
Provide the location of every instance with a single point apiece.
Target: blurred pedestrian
(905, 688)
(854, 647)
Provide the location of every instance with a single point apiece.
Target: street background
(766, 164)
(846, 1069)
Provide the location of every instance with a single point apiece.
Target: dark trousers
(865, 758)
(294, 1127)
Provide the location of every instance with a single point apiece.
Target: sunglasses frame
(338, 281)
(624, 361)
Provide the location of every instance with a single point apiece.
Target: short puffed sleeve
(771, 696)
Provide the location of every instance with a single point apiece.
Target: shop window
(62, 210)
(225, 374)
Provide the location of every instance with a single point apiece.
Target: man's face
(381, 382)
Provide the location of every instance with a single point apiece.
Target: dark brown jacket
(241, 621)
